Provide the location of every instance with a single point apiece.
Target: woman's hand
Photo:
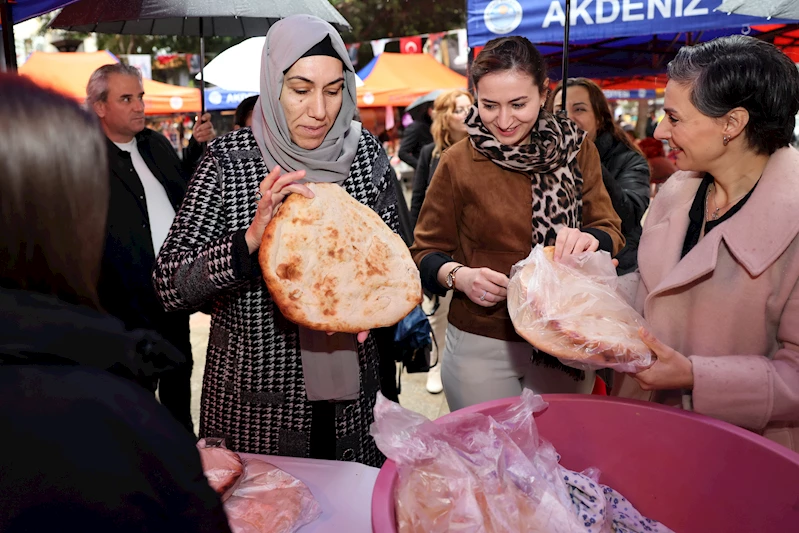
(361, 336)
(483, 286)
(273, 189)
(671, 370)
(573, 241)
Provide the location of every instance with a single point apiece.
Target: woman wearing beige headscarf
(268, 385)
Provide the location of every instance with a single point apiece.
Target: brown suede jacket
(480, 215)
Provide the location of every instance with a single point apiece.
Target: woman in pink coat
(719, 255)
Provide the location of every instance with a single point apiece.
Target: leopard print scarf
(550, 160)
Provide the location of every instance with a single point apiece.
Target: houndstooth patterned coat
(253, 388)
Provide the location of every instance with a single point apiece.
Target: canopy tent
(16, 11)
(69, 72)
(613, 38)
(22, 10)
(398, 79)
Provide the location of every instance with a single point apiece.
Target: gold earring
(726, 140)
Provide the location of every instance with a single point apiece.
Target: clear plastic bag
(571, 310)
(222, 467)
(473, 473)
(269, 500)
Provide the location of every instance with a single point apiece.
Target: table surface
(343, 490)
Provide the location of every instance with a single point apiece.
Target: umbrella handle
(565, 66)
(202, 68)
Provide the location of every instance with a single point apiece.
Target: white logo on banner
(176, 102)
(368, 98)
(411, 47)
(215, 97)
(503, 16)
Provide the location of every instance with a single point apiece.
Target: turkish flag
(411, 45)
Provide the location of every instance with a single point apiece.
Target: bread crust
(332, 264)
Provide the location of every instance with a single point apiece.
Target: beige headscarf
(286, 42)
(330, 363)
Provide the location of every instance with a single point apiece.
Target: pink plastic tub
(692, 473)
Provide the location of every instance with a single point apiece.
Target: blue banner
(22, 10)
(542, 21)
(217, 99)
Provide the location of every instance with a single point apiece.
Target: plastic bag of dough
(269, 500)
(472, 474)
(221, 466)
(571, 310)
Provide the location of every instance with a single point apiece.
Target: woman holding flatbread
(718, 262)
(272, 387)
(522, 177)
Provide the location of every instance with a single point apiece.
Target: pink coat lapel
(756, 235)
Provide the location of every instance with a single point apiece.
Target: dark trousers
(174, 391)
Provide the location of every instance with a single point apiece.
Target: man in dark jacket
(148, 182)
(84, 448)
(416, 135)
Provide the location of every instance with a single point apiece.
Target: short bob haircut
(53, 193)
(740, 71)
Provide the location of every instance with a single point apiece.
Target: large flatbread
(575, 318)
(332, 264)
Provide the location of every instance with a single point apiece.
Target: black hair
(741, 71)
(244, 110)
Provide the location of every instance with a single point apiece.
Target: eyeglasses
(460, 111)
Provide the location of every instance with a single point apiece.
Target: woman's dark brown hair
(600, 106)
(53, 193)
(510, 53)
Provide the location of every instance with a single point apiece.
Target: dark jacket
(84, 449)
(416, 136)
(421, 179)
(126, 288)
(625, 173)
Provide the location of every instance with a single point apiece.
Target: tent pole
(565, 67)
(9, 47)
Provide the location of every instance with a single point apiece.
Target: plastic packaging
(571, 310)
(474, 474)
(478, 473)
(221, 466)
(269, 500)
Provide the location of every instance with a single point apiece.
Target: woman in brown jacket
(523, 177)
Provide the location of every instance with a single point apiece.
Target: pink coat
(732, 304)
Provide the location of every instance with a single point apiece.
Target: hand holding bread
(271, 192)
(331, 264)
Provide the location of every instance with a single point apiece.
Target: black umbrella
(203, 18)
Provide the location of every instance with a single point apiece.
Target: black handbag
(414, 339)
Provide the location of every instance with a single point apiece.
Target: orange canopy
(399, 79)
(69, 72)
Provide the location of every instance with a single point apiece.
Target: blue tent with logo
(217, 99)
(13, 12)
(612, 38)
